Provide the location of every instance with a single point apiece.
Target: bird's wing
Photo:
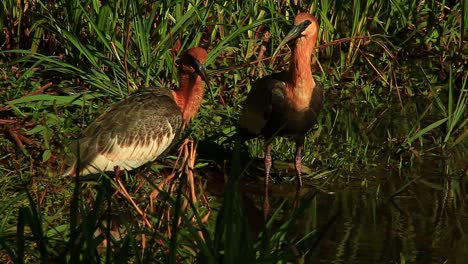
(258, 105)
(138, 128)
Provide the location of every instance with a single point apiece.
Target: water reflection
(426, 222)
(417, 215)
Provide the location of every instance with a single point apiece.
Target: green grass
(395, 76)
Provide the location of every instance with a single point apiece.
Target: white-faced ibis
(141, 127)
(286, 103)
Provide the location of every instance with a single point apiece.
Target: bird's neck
(189, 95)
(302, 83)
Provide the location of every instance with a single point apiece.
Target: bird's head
(305, 25)
(192, 62)
(189, 94)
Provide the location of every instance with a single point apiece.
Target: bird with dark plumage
(143, 126)
(286, 103)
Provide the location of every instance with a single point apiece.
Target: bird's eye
(193, 63)
(305, 24)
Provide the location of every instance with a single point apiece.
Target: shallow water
(427, 222)
(414, 215)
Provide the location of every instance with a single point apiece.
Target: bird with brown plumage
(287, 103)
(145, 125)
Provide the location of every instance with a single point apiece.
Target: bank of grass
(395, 74)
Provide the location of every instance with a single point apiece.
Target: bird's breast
(290, 116)
(289, 122)
(299, 95)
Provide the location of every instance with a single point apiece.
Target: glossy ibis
(143, 126)
(286, 103)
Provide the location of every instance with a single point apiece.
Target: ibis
(143, 126)
(286, 103)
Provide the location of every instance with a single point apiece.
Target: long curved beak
(200, 69)
(294, 33)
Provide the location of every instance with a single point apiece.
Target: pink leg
(266, 203)
(298, 167)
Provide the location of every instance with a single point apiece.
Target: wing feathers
(130, 133)
(258, 105)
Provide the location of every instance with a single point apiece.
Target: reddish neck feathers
(189, 95)
(302, 83)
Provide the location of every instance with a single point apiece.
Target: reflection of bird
(140, 128)
(286, 103)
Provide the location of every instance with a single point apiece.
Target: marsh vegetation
(385, 168)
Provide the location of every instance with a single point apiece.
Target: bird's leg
(117, 172)
(266, 203)
(298, 167)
